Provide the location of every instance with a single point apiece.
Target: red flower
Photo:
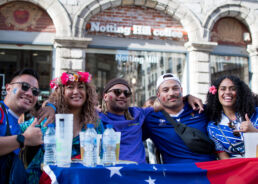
(212, 90)
(84, 76)
(53, 83)
(64, 78)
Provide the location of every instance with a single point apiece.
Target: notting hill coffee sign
(173, 32)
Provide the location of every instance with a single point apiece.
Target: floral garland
(213, 90)
(67, 77)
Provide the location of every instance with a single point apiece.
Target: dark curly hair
(245, 100)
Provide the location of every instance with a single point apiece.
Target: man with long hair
(125, 119)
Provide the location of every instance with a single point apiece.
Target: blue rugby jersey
(170, 145)
(13, 124)
(131, 145)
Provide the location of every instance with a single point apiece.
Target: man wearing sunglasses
(22, 94)
(161, 131)
(125, 119)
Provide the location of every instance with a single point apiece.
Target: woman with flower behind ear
(231, 110)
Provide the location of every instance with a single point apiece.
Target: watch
(20, 138)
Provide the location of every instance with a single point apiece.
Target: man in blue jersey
(125, 119)
(22, 94)
(159, 129)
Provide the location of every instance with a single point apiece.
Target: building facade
(198, 40)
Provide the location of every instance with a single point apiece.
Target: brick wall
(128, 16)
(24, 16)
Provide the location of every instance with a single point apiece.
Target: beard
(115, 107)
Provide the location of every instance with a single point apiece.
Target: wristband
(51, 105)
(20, 139)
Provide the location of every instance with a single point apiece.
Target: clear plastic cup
(64, 139)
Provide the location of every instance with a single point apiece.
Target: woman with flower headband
(73, 93)
(231, 110)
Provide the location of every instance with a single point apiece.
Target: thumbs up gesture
(247, 126)
(33, 135)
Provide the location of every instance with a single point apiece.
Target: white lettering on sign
(137, 30)
(168, 32)
(109, 28)
(140, 60)
(142, 30)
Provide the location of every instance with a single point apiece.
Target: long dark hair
(245, 99)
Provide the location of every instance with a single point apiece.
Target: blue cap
(109, 126)
(90, 125)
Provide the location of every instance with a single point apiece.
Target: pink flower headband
(67, 77)
(213, 90)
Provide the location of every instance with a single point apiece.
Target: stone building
(198, 40)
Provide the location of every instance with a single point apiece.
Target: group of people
(231, 109)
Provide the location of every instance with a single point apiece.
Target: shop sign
(140, 60)
(137, 30)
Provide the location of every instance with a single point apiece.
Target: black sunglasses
(26, 86)
(118, 92)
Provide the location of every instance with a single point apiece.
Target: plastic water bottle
(90, 146)
(50, 146)
(109, 146)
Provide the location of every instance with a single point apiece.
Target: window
(105, 65)
(226, 65)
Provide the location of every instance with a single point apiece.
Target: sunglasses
(118, 92)
(233, 127)
(26, 86)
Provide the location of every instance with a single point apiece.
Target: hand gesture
(246, 126)
(33, 135)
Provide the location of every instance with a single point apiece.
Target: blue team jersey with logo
(131, 145)
(170, 145)
(236, 145)
(13, 124)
